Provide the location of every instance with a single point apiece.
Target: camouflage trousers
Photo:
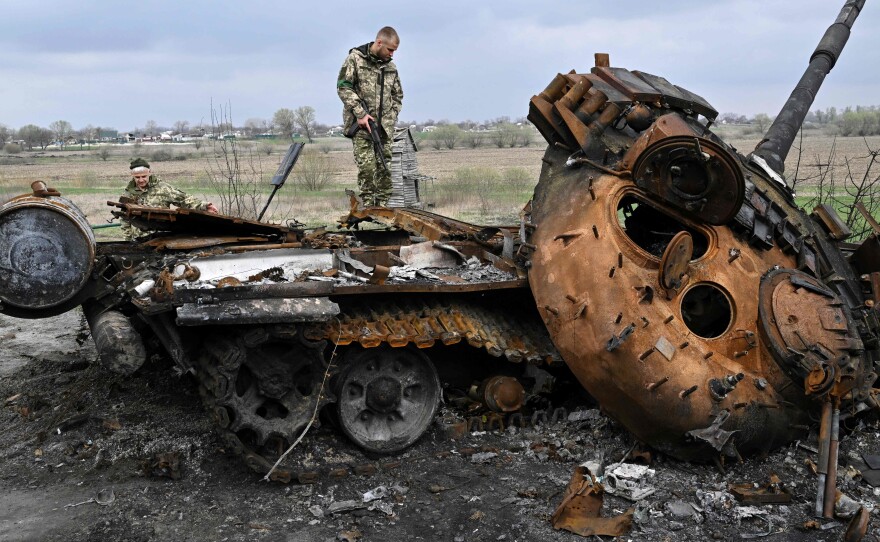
(374, 182)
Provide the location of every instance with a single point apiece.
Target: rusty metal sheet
(541, 115)
(195, 222)
(429, 225)
(829, 218)
(676, 96)
(866, 258)
(675, 261)
(613, 95)
(875, 227)
(629, 84)
(189, 242)
(771, 492)
(581, 507)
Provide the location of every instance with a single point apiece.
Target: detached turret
(680, 281)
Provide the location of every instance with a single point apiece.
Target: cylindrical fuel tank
(120, 347)
(47, 251)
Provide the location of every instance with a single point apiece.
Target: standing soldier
(370, 90)
(151, 191)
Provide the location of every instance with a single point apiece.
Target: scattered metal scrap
(771, 492)
(581, 508)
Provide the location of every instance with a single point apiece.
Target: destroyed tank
(673, 276)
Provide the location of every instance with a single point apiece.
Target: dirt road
(71, 433)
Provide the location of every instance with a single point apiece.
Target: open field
(485, 185)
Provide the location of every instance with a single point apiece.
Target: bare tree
(284, 121)
(504, 135)
(254, 126)
(4, 135)
(150, 128)
(181, 126)
(313, 171)
(846, 194)
(448, 135)
(62, 130)
(32, 135)
(235, 171)
(304, 119)
(761, 121)
(473, 139)
(88, 133)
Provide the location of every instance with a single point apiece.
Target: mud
(68, 431)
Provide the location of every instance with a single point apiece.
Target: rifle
(284, 170)
(378, 148)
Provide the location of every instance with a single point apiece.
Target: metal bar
(831, 479)
(824, 447)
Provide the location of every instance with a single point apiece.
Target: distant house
(429, 128)
(107, 135)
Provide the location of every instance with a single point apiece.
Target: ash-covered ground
(71, 435)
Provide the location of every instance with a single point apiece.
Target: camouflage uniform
(157, 194)
(365, 76)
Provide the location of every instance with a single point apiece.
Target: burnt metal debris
(675, 278)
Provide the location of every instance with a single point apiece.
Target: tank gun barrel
(779, 138)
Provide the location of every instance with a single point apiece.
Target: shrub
(517, 178)
(447, 136)
(473, 139)
(162, 155)
(103, 153)
(265, 147)
(12, 148)
(313, 171)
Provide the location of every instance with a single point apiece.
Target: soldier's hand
(211, 208)
(364, 122)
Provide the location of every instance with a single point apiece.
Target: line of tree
(500, 132)
(852, 121)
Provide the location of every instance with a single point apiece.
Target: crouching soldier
(151, 191)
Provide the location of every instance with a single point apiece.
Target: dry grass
(484, 185)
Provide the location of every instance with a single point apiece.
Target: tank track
(259, 401)
(511, 334)
(257, 415)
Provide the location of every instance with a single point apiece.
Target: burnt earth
(70, 431)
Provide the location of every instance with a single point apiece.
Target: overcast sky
(121, 63)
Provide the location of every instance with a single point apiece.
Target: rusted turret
(678, 279)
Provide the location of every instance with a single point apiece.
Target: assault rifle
(378, 148)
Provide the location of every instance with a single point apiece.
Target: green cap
(139, 162)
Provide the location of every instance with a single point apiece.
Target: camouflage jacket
(157, 194)
(365, 76)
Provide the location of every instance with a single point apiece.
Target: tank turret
(678, 279)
